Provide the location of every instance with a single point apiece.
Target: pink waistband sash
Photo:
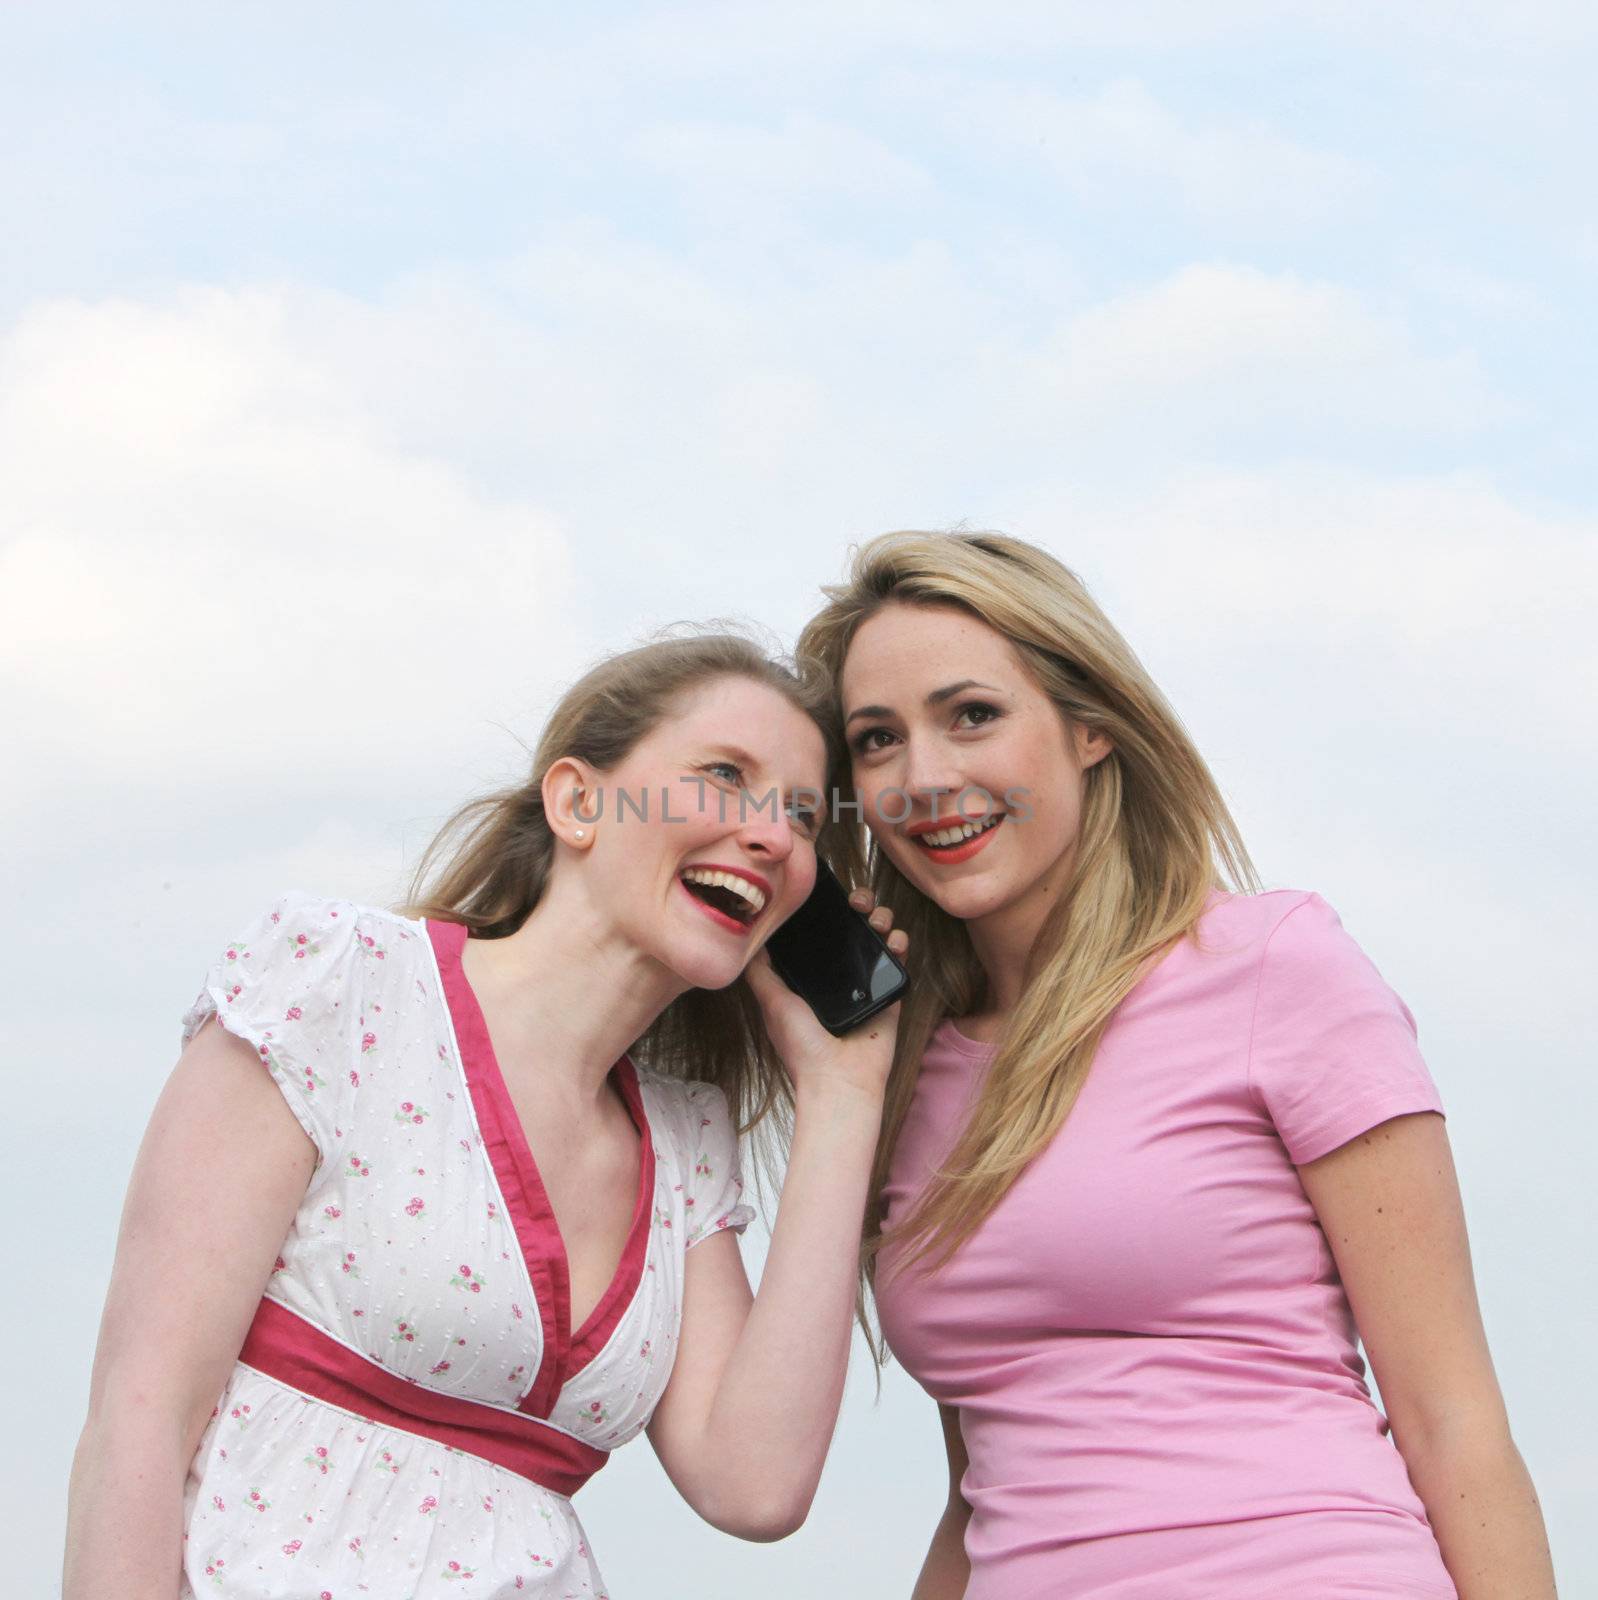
(283, 1345)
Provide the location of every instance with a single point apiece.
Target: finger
(881, 919)
(898, 941)
(862, 899)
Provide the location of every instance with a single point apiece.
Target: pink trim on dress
(283, 1346)
(595, 1333)
(531, 1214)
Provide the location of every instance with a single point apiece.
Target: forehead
(754, 717)
(902, 645)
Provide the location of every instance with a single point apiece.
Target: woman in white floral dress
(380, 1309)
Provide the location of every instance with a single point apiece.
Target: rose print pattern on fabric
(406, 1251)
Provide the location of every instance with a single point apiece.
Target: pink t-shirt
(1150, 1348)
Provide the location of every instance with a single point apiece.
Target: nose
(763, 835)
(930, 783)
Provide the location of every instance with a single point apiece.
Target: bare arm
(744, 1425)
(946, 1571)
(1389, 1204)
(218, 1178)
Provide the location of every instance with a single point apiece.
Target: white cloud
(250, 521)
(804, 159)
(1122, 145)
(1234, 362)
(1436, 607)
(1462, 287)
(216, 570)
(1441, 565)
(708, 40)
(1230, 351)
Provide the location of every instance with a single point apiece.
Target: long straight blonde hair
(488, 864)
(1155, 834)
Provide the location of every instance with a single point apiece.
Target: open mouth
(725, 894)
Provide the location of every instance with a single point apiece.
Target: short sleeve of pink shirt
(1333, 1049)
(1152, 1357)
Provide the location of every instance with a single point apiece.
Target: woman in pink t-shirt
(1152, 1151)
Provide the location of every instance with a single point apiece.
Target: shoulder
(1226, 946)
(334, 914)
(1253, 920)
(305, 925)
(1332, 1047)
(664, 1101)
(1281, 939)
(311, 943)
(686, 1106)
(680, 1095)
(298, 981)
(1302, 938)
(710, 1166)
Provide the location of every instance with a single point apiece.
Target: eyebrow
(936, 698)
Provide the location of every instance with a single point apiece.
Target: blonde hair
(488, 864)
(1154, 830)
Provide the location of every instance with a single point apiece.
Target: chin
(706, 969)
(969, 902)
(974, 908)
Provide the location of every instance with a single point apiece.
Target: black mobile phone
(829, 954)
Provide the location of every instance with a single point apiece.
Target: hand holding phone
(829, 954)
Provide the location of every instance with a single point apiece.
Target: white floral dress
(412, 1411)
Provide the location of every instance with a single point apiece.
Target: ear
(573, 801)
(1092, 745)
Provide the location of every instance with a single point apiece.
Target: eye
(731, 766)
(860, 745)
(981, 705)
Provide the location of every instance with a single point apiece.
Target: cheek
(899, 850)
(695, 816)
(882, 803)
(645, 852)
(1053, 823)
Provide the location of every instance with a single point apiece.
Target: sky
(367, 372)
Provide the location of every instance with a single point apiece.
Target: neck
(1005, 939)
(567, 993)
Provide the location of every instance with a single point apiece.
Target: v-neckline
(533, 1217)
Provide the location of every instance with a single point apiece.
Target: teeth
(727, 880)
(948, 836)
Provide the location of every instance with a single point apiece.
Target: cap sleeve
(284, 986)
(713, 1188)
(1333, 1050)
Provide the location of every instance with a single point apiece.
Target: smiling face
(724, 851)
(937, 702)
